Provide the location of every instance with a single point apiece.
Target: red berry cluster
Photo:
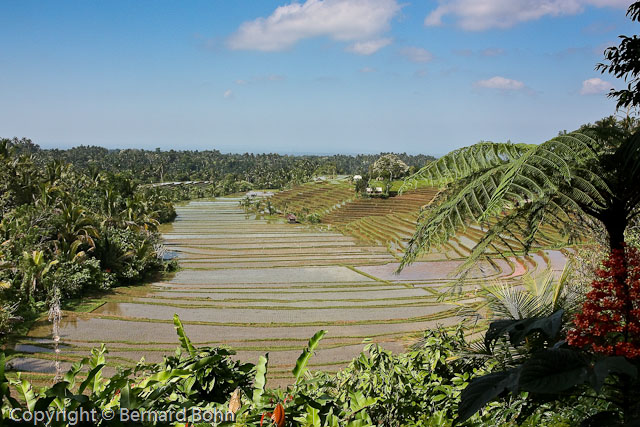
(610, 319)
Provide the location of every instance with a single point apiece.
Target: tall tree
(624, 62)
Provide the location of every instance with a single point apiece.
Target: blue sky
(316, 76)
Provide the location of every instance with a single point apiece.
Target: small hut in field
(292, 219)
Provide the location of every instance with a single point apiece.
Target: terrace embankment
(265, 286)
(388, 222)
(314, 197)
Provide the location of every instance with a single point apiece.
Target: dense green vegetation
(65, 232)
(258, 170)
(419, 388)
(579, 182)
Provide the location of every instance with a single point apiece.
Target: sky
(314, 76)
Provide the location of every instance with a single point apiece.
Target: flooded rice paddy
(266, 286)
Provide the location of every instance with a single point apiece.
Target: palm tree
(138, 214)
(76, 229)
(537, 297)
(35, 267)
(47, 194)
(55, 171)
(579, 183)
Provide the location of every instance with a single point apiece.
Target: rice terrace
(320, 213)
(262, 285)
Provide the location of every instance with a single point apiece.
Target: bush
(127, 253)
(313, 218)
(7, 317)
(422, 381)
(74, 278)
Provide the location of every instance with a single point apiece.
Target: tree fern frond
(523, 195)
(464, 162)
(437, 225)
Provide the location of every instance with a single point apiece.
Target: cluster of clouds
(359, 22)
(501, 83)
(479, 15)
(593, 86)
(363, 25)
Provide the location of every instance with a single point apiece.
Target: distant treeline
(260, 170)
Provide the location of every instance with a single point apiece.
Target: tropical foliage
(538, 296)
(592, 356)
(65, 232)
(422, 387)
(222, 171)
(578, 183)
(624, 62)
(418, 388)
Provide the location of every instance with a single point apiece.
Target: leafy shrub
(409, 384)
(171, 266)
(203, 378)
(74, 278)
(549, 372)
(127, 253)
(7, 318)
(419, 388)
(313, 218)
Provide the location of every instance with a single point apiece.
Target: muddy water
(261, 286)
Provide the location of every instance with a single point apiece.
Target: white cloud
(416, 54)
(595, 86)
(368, 47)
(367, 70)
(477, 15)
(343, 20)
(501, 83)
(228, 93)
(241, 82)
